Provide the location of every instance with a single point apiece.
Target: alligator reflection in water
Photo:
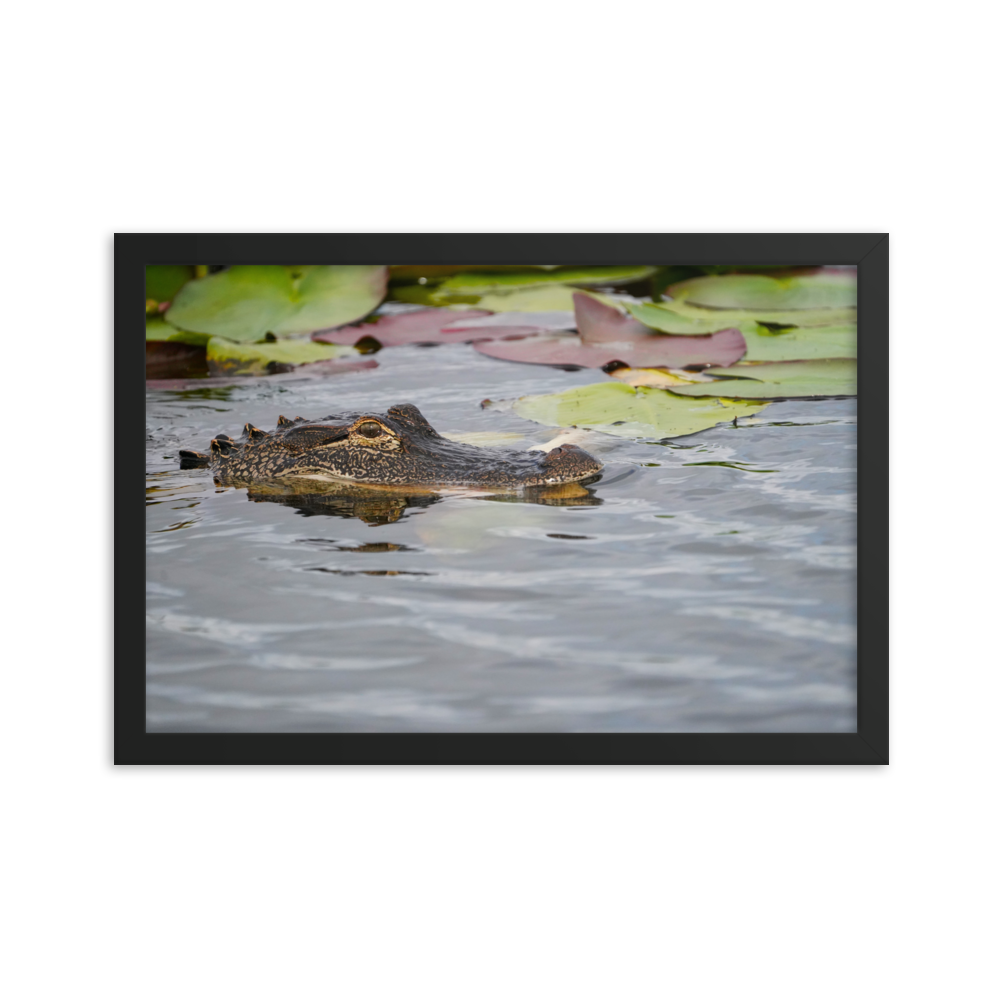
(385, 505)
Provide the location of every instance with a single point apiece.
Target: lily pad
(164, 281)
(423, 326)
(800, 343)
(794, 317)
(158, 329)
(552, 298)
(823, 290)
(487, 284)
(607, 334)
(665, 320)
(228, 358)
(245, 302)
(621, 410)
(601, 323)
(781, 380)
(567, 349)
(537, 322)
(439, 271)
(314, 370)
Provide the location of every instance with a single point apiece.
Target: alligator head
(395, 448)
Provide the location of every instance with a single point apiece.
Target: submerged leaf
(423, 326)
(228, 358)
(618, 409)
(823, 290)
(245, 302)
(782, 380)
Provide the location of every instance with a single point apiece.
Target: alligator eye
(370, 429)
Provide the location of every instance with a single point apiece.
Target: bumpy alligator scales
(398, 447)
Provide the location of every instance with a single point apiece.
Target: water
(704, 585)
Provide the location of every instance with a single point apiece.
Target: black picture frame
(869, 745)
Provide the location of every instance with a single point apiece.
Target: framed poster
(521, 498)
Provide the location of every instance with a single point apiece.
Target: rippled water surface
(704, 585)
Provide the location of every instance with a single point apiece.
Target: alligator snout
(568, 463)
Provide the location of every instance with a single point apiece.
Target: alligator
(395, 448)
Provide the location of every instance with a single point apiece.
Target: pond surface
(703, 585)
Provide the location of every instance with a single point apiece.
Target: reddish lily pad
(600, 323)
(608, 335)
(535, 322)
(568, 350)
(424, 326)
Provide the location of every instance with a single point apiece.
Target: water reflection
(386, 505)
(564, 495)
(373, 506)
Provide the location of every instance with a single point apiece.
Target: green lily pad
(553, 298)
(487, 284)
(664, 319)
(158, 329)
(438, 272)
(823, 290)
(228, 358)
(619, 409)
(164, 281)
(245, 302)
(781, 380)
(795, 317)
(800, 343)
